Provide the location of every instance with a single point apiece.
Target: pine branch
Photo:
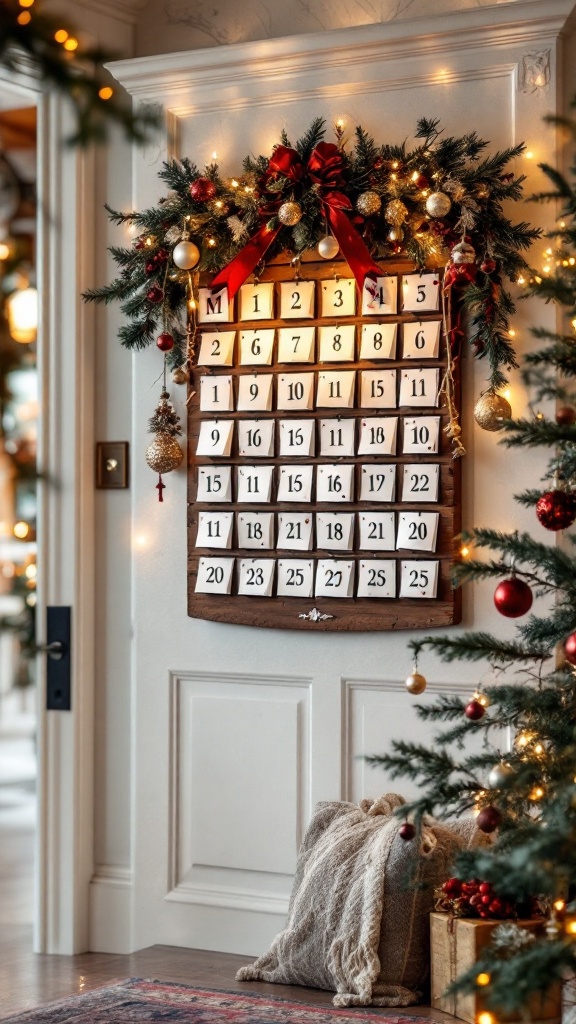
(476, 646)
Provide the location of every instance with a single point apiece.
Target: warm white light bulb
(22, 308)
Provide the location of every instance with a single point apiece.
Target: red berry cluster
(472, 899)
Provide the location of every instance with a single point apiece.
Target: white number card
(296, 344)
(214, 307)
(336, 389)
(255, 392)
(216, 349)
(378, 341)
(419, 579)
(337, 344)
(418, 530)
(421, 434)
(257, 301)
(339, 297)
(335, 530)
(255, 529)
(376, 531)
(295, 577)
(254, 483)
(215, 438)
(337, 436)
(419, 386)
(256, 576)
(216, 394)
(256, 438)
(378, 389)
(297, 300)
(214, 576)
(420, 292)
(256, 347)
(377, 482)
(214, 530)
(295, 391)
(334, 578)
(380, 297)
(377, 578)
(214, 483)
(422, 340)
(378, 436)
(297, 438)
(420, 482)
(295, 483)
(295, 530)
(335, 483)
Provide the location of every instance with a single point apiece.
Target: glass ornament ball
(438, 204)
(202, 190)
(155, 294)
(164, 453)
(407, 831)
(556, 510)
(416, 683)
(513, 598)
(565, 416)
(290, 214)
(165, 341)
(474, 711)
(488, 266)
(491, 410)
(570, 649)
(395, 212)
(488, 819)
(328, 247)
(368, 203)
(500, 775)
(185, 255)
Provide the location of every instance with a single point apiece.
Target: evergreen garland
(477, 186)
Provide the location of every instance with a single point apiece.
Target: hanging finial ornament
(164, 453)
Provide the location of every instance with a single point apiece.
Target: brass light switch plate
(112, 464)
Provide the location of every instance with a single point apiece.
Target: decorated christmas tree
(525, 796)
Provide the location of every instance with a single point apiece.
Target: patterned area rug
(135, 1001)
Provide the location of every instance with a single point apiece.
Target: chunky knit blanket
(358, 915)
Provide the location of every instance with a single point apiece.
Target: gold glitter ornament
(491, 410)
(164, 453)
(395, 212)
(290, 213)
(438, 204)
(368, 203)
(180, 375)
(416, 683)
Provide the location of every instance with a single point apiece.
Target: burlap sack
(357, 924)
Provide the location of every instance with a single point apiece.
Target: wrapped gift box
(455, 944)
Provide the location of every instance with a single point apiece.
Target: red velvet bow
(325, 170)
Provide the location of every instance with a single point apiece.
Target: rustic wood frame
(320, 613)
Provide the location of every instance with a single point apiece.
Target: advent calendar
(322, 489)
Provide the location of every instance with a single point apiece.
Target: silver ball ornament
(438, 204)
(416, 683)
(185, 255)
(328, 247)
(368, 203)
(463, 253)
(290, 213)
(500, 775)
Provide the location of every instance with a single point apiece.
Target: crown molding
(527, 23)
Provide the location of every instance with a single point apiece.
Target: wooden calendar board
(322, 489)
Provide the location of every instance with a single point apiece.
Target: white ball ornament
(328, 247)
(186, 255)
(438, 204)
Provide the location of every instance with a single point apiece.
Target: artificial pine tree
(529, 793)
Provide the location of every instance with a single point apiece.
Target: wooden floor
(28, 980)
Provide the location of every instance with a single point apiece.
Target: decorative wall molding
(228, 898)
(111, 910)
(288, 58)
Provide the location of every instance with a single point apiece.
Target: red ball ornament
(556, 510)
(566, 416)
(407, 831)
(139, 244)
(570, 649)
(202, 190)
(155, 294)
(165, 342)
(161, 256)
(474, 710)
(151, 267)
(513, 597)
(488, 266)
(488, 821)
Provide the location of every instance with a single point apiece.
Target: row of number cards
(297, 299)
(324, 577)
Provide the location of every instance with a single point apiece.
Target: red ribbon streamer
(325, 171)
(457, 277)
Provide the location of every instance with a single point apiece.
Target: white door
(239, 731)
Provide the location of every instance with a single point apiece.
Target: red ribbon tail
(235, 273)
(352, 246)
